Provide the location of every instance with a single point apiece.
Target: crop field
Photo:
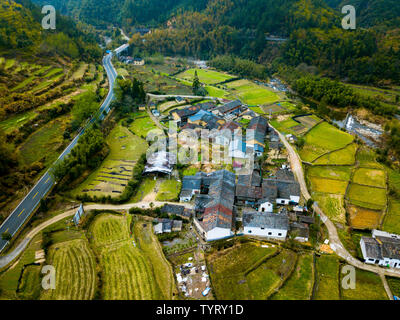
(116, 170)
(142, 126)
(322, 139)
(367, 158)
(169, 190)
(216, 92)
(29, 287)
(47, 139)
(130, 266)
(75, 271)
(251, 93)
(346, 156)
(327, 278)
(285, 126)
(332, 205)
(269, 275)
(368, 287)
(300, 284)
(228, 269)
(391, 222)
(362, 218)
(333, 172)
(328, 185)
(370, 177)
(368, 197)
(205, 76)
(274, 109)
(394, 284)
(309, 121)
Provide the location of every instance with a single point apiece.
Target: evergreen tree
(196, 83)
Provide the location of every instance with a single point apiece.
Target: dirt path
(335, 241)
(7, 259)
(386, 285)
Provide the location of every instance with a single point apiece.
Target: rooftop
(266, 220)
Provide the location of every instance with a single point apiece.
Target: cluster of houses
(219, 195)
(224, 130)
(382, 249)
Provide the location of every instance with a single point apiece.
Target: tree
(196, 83)
(6, 236)
(85, 106)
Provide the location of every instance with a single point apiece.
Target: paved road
(7, 259)
(165, 96)
(334, 239)
(25, 208)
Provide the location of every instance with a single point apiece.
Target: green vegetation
(205, 76)
(169, 190)
(145, 188)
(141, 126)
(332, 205)
(300, 284)
(368, 287)
(346, 156)
(327, 278)
(322, 139)
(334, 172)
(368, 197)
(251, 93)
(391, 221)
(370, 177)
(76, 271)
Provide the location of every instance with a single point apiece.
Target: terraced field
(327, 278)
(132, 268)
(169, 190)
(116, 170)
(75, 271)
(322, 139)
(346, 156)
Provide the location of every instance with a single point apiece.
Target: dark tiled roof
(231, 125)
(259, 124)
(191, 183)
(306, 219)
(372, 248)
(285, 189)
(173, 209)
(253, 179)
(301, 229)
(228, 107)
(285, 175)
(250, 193)
(266, 220)
(390, 247)
(269, 193)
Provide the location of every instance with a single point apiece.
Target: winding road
(27, 206)
(334, 239)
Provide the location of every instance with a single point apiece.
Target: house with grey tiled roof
(382, 248)
(288, 189)
(214, 209)
(266, 224)
(232, 107)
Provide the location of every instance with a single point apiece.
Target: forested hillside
(20, 28)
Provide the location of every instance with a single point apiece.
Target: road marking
(35, 195)
(47, 180)
(7, 230)
(21, 212)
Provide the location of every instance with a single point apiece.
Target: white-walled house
(268, 225)
(381, 249)
(266, 206)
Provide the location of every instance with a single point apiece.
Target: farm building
(248, 188)
(382, 249)
(176, 210)
(226, 134)
(300, 231)
(160, 162)
(167, 226)
(288, 189)
(257, 139)
(191, 185)
(237, 149)
(266, 224)
(232, 107)
(214, 208)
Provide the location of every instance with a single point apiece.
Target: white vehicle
(205, 292)
(188, 265)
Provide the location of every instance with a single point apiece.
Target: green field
(322, 139)
(205, 76)
(370, 177)
(47, 139)
(142, 126)
(216, 92)
(300, 284)
(228, 269)
(169, 190)
(116, 170)
(330, 172)
(75, 271)
(346, 156)
(146, 187)
(391, 222)
(367, 158)
(367, 197)
(327, 278)
(328, 185)
(284, 126)
(368, 287)
(16, 121)
(133, 268)
(251, 93)
(332, 205)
